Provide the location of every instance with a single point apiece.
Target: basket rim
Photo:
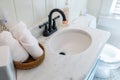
(32, 64)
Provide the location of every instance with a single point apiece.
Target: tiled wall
(33, 11)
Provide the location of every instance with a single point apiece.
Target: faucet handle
(54, 25)
(46, 32)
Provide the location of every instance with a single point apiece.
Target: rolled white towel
(18, 52)
(18, 30)
(28, 38)
(5, 55)
(32, 48)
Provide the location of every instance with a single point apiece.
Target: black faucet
(50, 26)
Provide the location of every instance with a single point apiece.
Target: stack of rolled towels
(21, 43)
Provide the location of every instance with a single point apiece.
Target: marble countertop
(59, 67)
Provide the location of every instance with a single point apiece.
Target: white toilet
(109, 59)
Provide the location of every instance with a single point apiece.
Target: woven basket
(30, 63)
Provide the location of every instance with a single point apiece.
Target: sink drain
(62, 53)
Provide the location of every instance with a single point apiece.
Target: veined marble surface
(68, 67)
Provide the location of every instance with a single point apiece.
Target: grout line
(15, 10)
(33, 13)
(46, 8)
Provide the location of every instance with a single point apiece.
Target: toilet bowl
(109, 60)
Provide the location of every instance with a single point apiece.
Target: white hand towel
(28, 38)
(18, 52)
(4, 55)
(33, 49)
(18, 30)
(29, 42)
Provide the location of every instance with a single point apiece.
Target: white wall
(105, 7)
(94, 7)
(99, 7)
(7, 7)
(77, 7)
(32, 12)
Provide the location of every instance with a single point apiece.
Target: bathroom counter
(60, 67)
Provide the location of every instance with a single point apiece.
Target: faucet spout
(50, 17)
(50, 25)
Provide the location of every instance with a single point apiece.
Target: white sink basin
(69, 41)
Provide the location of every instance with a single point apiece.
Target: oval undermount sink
(69, 41)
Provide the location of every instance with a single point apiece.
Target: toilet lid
(110, 54)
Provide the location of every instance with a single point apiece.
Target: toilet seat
(109, 60)
(110, 54)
